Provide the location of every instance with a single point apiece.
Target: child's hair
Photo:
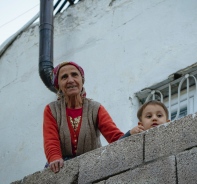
(152, 102)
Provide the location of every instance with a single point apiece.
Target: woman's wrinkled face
(70, 80)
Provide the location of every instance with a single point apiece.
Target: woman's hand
(137, 129)
(56, 165)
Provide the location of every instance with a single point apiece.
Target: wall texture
(165, 154)
(124, 46)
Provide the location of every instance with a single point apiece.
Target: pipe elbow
(45, 72)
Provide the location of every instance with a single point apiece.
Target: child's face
(153, 115)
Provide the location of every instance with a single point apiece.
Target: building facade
(128, 49)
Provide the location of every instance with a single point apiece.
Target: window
(178, 93)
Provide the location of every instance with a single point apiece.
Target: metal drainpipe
(46, 43)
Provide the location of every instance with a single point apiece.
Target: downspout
(46, 43)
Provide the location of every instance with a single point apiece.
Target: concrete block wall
(164, 154)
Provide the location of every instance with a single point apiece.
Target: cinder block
(171, 138)
(112, 159)
(68, 174)
(159, 172)
(187, 167)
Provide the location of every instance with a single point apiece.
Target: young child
(150, 114)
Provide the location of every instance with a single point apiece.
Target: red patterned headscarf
(56, 72)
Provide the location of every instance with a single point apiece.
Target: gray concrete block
(109, 160)
(68, 174)
(159, 172)
(171, 138)
(187, 167)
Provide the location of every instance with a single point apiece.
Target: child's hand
(137, 129)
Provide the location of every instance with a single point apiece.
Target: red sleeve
(52, 147)
(107, 127)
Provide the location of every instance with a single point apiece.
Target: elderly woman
(73, 123)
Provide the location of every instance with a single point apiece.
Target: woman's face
(70, 80)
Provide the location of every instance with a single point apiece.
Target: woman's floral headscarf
(56, 72)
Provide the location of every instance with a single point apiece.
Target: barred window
(178, 93)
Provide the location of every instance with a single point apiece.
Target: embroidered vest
(89, 135)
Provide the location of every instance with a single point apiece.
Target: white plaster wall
(123, 46)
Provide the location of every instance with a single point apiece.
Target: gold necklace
(75, 122)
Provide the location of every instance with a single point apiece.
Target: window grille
(178, 93)
(61, 5)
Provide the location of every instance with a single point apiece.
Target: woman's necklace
(75, 122)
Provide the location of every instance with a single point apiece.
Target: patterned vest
(89, 136)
